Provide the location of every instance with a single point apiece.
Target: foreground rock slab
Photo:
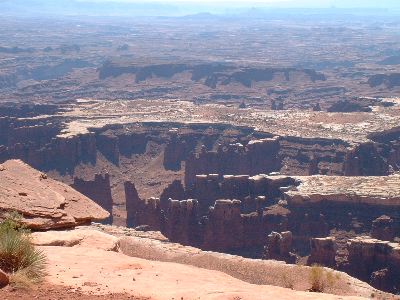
(252, 271)
(159, 269)
(104, 272)
(44, 203)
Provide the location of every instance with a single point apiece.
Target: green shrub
(18, 257)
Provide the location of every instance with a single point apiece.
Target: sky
(178, 7)
(277, 3)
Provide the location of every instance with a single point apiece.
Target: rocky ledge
(381, 191)
(43, 203)
(110, 259)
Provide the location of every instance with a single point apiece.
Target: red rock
(4, 279)
(323, 251)
(44, 203)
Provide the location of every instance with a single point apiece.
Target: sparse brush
(287, 281)
(317, 279)
(320, 279)
(18, 257)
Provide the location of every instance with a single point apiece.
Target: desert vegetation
(321, 279)
(24, 264)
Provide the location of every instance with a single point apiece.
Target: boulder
(43, 203)
(4, 280)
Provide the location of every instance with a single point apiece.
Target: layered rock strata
(375, 261)
(43, 203)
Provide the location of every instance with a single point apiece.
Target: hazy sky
(282, 3)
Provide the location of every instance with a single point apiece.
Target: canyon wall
(211, 75)
(99, 190)
(376, 262)
(199, 149)
(232, 213)
(37, 143)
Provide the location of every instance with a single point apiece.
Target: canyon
(253, 148)
(224, 185)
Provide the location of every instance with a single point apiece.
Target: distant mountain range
(160, 8)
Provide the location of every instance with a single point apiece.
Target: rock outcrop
(99, 190)
(257, 157)
(212, 75)
(323, 252)
(369, 190)
(365, 160)
(180, 222)
(100, 269)
(375, 261)
(43, 203)
(132, 202)
(252, 191)
(4, 279)
(174, 191)
(388, 80)
(383, 228)
(223, 228)
(253, 271)
(279, 247)
(142, 212)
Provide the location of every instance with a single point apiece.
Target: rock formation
(223, 227)
(365, 160)
(323, 252)
(43, 203)
(252, 271)
(279, 247)
(212, 75)
(259, 156)
(99, 190)
(174, 191)
(142, 212)
(383, 228)
(375, 261)
(181, 222)
(4, 279)
(388, 80)
(106, 264)
(374, 191)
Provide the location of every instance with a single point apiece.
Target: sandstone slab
(44, 203)
(76, 238)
